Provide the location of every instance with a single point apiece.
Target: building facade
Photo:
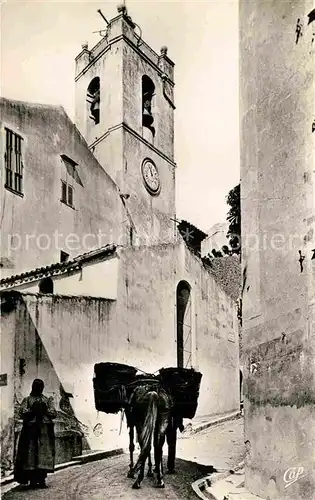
(62, 203)
(161, 310)
(143, 295)
(278, 213)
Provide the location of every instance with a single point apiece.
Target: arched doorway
(184, 325)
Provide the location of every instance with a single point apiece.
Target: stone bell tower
(125, 111)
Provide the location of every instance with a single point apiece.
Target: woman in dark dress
(36, 449)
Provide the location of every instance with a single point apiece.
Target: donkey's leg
(159, 440)
(136, 485)
(171, 441)
(158, 453)
(138, 469)
(150, 471)
(131, 450)
(145, 430)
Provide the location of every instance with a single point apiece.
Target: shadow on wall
(31, 361)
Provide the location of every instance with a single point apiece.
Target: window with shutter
(13, 162)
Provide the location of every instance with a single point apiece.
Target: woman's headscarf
(37, 387)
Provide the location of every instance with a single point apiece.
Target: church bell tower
(125, 111)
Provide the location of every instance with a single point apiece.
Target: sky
(40, 39)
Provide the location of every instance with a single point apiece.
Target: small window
(66, 194)
(64, 256)
(70, 196)
(311, 16)
(46, 285)
(63, 192)
(70, 165)
(69, 176)
(13, 162)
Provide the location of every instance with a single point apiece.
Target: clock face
(151, 177)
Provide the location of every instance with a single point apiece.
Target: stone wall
(7, 391)
(146, 320)
(277, 202)
(59, 339)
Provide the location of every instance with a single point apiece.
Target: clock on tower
(151, 177)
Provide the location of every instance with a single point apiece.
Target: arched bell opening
(93, 100)
(148, 89)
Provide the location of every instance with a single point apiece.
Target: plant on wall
(233, 199)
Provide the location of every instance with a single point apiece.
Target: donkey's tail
(148, 426)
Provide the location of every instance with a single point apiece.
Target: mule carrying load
(114, 383)
(183, 385)
(154, 405)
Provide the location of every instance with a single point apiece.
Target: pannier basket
(183, 385)
(109, 382)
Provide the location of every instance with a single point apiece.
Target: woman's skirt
(36, 451)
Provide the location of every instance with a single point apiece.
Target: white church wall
(146, 320)
(60, 339)
(95, 279)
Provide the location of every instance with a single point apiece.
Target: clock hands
(151, 176)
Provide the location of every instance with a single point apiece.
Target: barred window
(13, 161)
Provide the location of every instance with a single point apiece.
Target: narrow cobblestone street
(220, 446)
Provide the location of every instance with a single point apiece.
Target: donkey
(145, 381)
(174, 422)
(131, 424)
(149, 412)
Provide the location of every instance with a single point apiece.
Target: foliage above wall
(233, 199)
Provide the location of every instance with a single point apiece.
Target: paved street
(220, 446)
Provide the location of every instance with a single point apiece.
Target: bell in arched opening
(93, 98)
(147, 94)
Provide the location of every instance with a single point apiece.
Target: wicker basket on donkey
(183, 384)
(110, 382)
